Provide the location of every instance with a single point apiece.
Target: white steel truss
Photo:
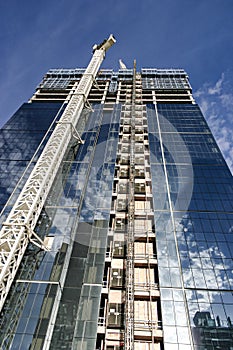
(18, 229)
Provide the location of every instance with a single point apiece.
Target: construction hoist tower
(18, 229)
(129, 302)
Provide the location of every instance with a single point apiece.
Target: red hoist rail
(18, 229)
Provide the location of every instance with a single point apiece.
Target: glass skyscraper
(138, 225)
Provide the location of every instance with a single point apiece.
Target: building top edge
(143, 71)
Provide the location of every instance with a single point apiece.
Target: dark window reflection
(211, 333)
(19, 140)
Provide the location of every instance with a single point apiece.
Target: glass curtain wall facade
(138, 221)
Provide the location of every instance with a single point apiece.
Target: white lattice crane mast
(18, 229)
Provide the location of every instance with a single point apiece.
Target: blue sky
(196, 35)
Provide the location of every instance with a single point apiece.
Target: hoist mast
(129, 300)
(18, 229)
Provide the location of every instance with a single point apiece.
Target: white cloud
(227, 100)
(216, 89)
(216, 103)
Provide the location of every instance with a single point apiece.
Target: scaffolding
(130, 295)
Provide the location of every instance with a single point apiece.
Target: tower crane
(18, 229)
